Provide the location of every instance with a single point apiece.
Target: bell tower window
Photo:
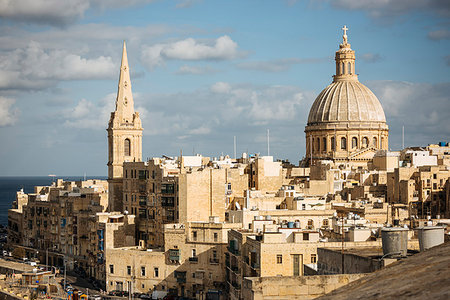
(354, 142)
(365, 142)
(343, 143)
(127, 147)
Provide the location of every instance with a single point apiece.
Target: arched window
(343, 143)
(324, 144)
(318, 145)
(374, 142)
(127, 147)
(343, 69)
(333, 144)
(349, 70)
(354, 142)
(365, 142)
(382, 143)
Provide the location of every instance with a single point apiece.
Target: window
(349, 70)
(325, 222)
(142, 271)
(434, 176)
(194, 235)
(127, 147)
(318, 145)
(354, 142)
(111, 269)
(374, 142)
(313, 258)
(342, 68)
(128, 270)
(324, 145)
(333, 144)
(365, 142)
(343, 143)
(310, 222)
(194, 252)
(215, 236)
(279, 258)
(156, 272)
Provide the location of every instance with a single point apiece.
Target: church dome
(346, 101)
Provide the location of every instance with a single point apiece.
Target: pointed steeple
(124, 100)
(345, 61)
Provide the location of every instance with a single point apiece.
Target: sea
(10, 185)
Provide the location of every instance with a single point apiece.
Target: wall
(303, 287)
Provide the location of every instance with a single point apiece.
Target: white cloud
(186, 3)
(56, 12)
(185, 69)
(8, 114)
(221, 87)
(35, 67)
(223, 48)
(277, 65)
(90, 115)
(371, 57)
(441, 34)
(392, 8)
(422, 108)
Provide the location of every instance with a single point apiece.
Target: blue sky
(205, 71)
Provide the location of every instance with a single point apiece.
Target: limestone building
(346, 122)
(124, 135)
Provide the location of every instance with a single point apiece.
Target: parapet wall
(294, 287)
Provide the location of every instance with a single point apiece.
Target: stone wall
(302, 287)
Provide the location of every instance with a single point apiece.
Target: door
(297, 260)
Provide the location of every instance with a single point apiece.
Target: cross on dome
(345, 34)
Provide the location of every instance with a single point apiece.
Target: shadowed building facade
(346, 122)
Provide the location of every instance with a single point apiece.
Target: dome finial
(344, 37)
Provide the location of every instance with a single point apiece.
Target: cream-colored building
(346, 122)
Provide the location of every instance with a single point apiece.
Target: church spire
(124, 100)
(345, 60)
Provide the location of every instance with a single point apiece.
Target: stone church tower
(346, 123)
(124, 136)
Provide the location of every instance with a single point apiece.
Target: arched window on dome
(382, 143)
(318, 145)
(342, 69)
(324, 144)
(349, 68)
(354, 142)
(127, 147)
(333, 144)
(343, 143)
(365, 142)
(375, 142)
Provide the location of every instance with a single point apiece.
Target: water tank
(290, 224)
(394, 241)
(430, 236)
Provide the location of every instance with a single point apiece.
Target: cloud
(8, 114)
(223, 48)
(185, 69)
(371, 57)
(55, 12)
(422, 108)
(221, 88)
(35, 67)
(392, 8)
(186, 3)
(277, 65)
(89, 114)
(437, 35)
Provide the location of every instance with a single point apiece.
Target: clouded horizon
(205, 71)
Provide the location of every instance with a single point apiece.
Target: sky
(204, 71)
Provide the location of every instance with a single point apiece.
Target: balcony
(193, 259)
(233, 251)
